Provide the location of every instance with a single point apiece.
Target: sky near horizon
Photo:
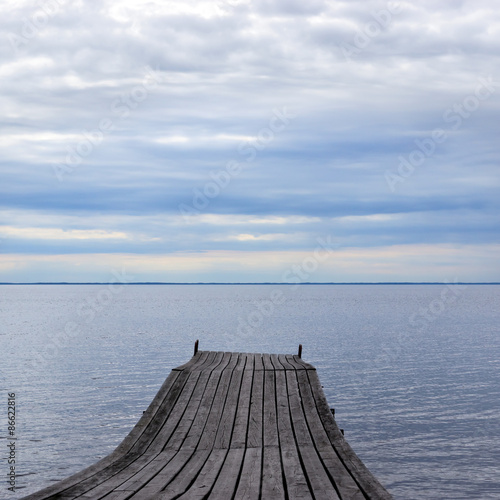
(250, 140)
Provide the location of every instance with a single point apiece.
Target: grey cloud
(220, 78)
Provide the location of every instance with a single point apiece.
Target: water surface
(412, 370)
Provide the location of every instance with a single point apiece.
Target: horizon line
(254, 283)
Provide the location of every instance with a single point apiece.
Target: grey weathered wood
(229, 475)
(285, 430)
(200, 420)
(295, 481)
(250, 361)
(183, 426)
(140, 478)
(299, 423)
(239, 437)
(230, 426)
(298, 363)
(296, 484)
(226, 420)
(254, 437)
(321, 485)
(276, 362)
(250, 478)
(259, 362)
(266, 360)
(272, 480)
(216, 412)
(270, 419)
(284, 362)
(205, 480)
(185, 460)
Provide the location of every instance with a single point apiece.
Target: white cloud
(46, 233)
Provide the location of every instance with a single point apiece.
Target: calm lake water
(413, 371)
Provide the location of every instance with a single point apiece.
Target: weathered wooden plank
(225, 486)
(295, 481)
(170, 482)
(115, 495)
(275, 362)
(255, 421)
(197, 360)
(339, 475)
(300, 429)
(239, 436)
(141, 470)
(214, 360)
(171, 422)
(285, 430)
(293, 361)
(250, 361)
(228, 360)
(206, 478)
(259, 364)
(217, 408)
(226, 421)
(193, 437)
(272, 480)
(296, 484)
(270, 420)
(317, 477)
(183, 426)
(266, 360)
(301, 362)
(136, 481)
(250, 478)
(154, 425)
(285, 363)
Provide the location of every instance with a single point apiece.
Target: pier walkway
(230, 425)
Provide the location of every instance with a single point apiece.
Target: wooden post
(196, 347)
(300, 350)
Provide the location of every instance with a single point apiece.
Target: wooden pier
(230, 425)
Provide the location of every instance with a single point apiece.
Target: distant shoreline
(263, 283)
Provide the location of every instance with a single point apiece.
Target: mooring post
(196, 347)
(300, 350)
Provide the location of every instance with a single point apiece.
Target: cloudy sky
(250, 140)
